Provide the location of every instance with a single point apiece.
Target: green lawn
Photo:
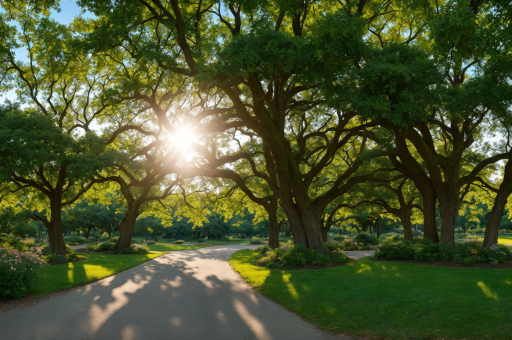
(391, 300)
(97, 266)
(174, 247)
(505, 239)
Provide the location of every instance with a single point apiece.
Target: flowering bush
(19, 271)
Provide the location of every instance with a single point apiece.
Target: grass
(391, 300)
(97, 266)
(175, 247)
(505, 239)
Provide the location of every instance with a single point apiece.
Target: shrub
(262, 250)
(400, 251)
(155, 238)
(339, 257)
(394, 239)
(200, 240)
(255, 241)
(427, 253)
(106, 246)
(469, 261)
(339, 238)
(179, 242)
(150, 242)
(135, 249)
(366, 239)
(19, 271)
(332, 246)
(73, 257)
(284, 257)
(12, 242)
(350, 245)
(45, 250)
(475, 238)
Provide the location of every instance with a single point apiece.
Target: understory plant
(136, 249)
(296, 256)
(179, 242)
(422, 250)
(19, 271)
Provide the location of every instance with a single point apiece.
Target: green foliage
(467, 253)
(339, 238)
(179, 242)
(428, 253)
(366, 239)
(11, 242)
(136, 249)
(399, 251)
(102, 247)
(19, 271)
(283, 257)
(340, 257)
(255, 241)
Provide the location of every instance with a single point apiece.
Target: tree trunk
(325, 230)
(493, 224)
(406, 222)
(449, 211)
(55, 233)
(377, 227)
(273, 226)
(299, 236)
(126, 228)
(429, 217)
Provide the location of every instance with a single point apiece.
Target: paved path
(191, 294)
(359, 254)
(79, 246)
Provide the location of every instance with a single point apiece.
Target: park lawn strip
(389, 299)
(505, 239)
(175, 247)
(98, 266)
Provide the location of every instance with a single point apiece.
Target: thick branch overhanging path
(192, 294)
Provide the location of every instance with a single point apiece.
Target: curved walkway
(191, 294)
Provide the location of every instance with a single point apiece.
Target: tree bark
(126, 228)
(55, 233)
(448, 213)
(429, 217)
(325, 230)
(273, 225)
(406, 222)
(493, 224)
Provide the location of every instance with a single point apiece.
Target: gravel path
(191, 294)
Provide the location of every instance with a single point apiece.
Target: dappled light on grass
(289, 285)
(70, 272)
(505, 239)
(97, 266)
(487, 291)
(364, 268)
(391, 300)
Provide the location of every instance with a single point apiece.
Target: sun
(183, 139)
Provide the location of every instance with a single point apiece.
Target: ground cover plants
(406, 300)
(290, 257)
(423, 250)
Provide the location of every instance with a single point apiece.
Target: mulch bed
(452, 264)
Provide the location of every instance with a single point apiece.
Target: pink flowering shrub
(19, 271)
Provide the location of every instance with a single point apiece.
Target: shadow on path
(190, 294)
